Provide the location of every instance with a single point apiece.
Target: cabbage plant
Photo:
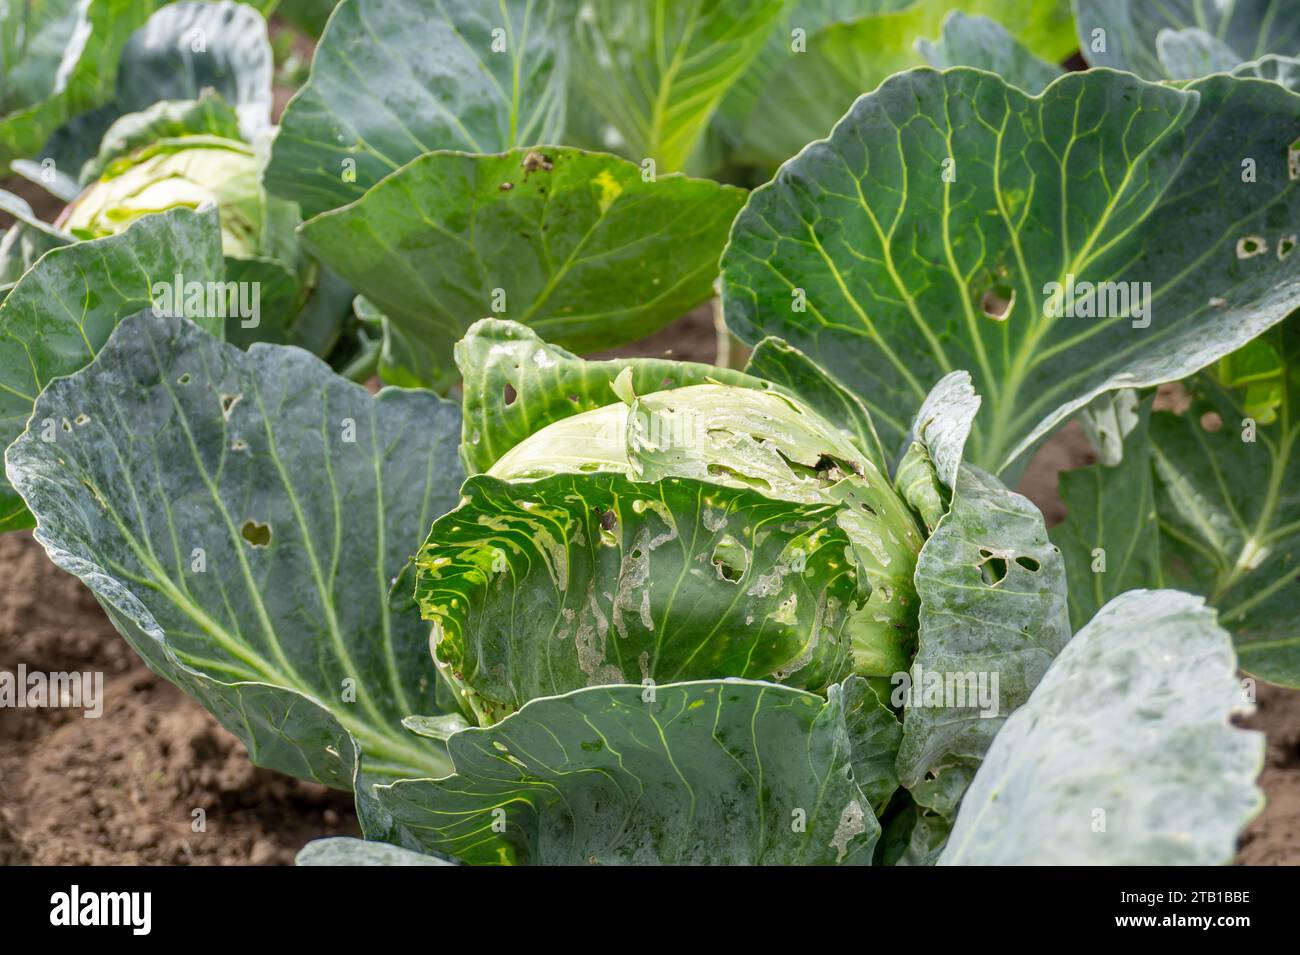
(536, 608)
(674, 615)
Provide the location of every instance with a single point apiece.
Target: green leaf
(59, 62)
(909, 276)
(782, 364)
(993, 614)
(1128, 728)
(160, 63)
(209, 115)
(928, 470)
(1187, 54)
(240, 515)
(542, 587)
(394, 79)
(62, 310)
(1278, 69)
(1110, 539)
(516, 384)
(808, 16)
(1161, 40)
(985, 43)
(655, 74)
(874, 732)
(342, 850)
(279, 295)
(577, 245)
(718, 772)
(809, 92)
(1229, 510)
(26, 240)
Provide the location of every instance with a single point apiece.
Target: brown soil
(122, 789)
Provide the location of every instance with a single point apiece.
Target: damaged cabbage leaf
(993, 616)
(1228, 499)
(950, 216)
(577, 245)
(1180, 39)
(61, 312)
(719, 772)
(394, 79)
(780, 363)
(240, 516)
(1124, 753)
(537, 588)
(515, 384)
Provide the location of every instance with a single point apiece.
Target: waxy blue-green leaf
(930, 233)
(927, 471)
(1124, 754)
(1228, 499)
(810, 91)
(61, 312)
(394, 79)
(655, 73)
(577, 245)
(1110, 540)
(1279, 69)
(343, 850)
(542, 587)
(1159, 40)
(716, 772)
(241, 515)
(993, 608)
(985, 43)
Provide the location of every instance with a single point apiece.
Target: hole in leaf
(228, 403)
(730, 558)
(1029, 564)
(255, 533)
(1285, 246)
(509, 394)
(994, 571)
(997, 300)
(183, 379)
(1211, 421)
(722, 471)
(1249, 246)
